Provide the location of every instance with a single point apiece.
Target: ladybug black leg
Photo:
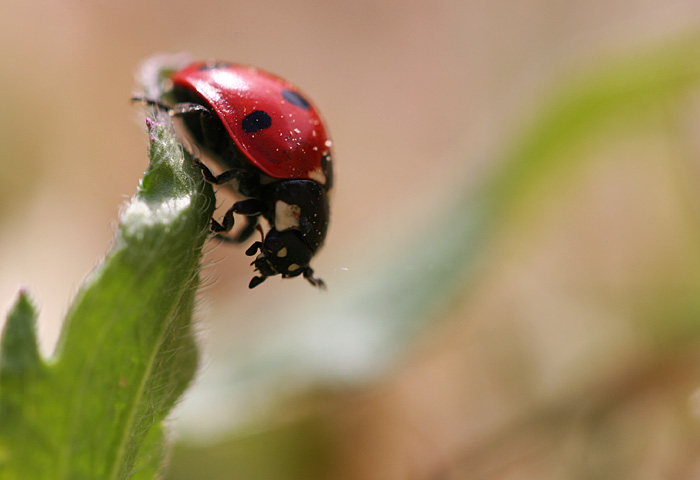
(255, 281)
(251, 208)
(225, 177)
(225, 226)
(243, 235)
(253, 249)
(316, 282)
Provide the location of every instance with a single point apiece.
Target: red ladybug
(268, 137)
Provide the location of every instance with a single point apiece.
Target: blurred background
(513, 262)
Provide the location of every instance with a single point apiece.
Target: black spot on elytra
(213, 65)
(295, 99)
(255, 121)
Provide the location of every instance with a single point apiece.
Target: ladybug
(271, 143)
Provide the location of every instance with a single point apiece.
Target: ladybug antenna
(253, 249)
(150, 101)
(262, 234)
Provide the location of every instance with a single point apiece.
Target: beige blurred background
(416, 94)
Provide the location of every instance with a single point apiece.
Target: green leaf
(126, 350)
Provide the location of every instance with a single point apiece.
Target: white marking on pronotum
(286, 216)
(293, 267)
(318, 176)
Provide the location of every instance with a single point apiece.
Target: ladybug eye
(273, 243)
(295, 99)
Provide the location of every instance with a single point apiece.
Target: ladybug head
(299, 220)
(281, 253)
